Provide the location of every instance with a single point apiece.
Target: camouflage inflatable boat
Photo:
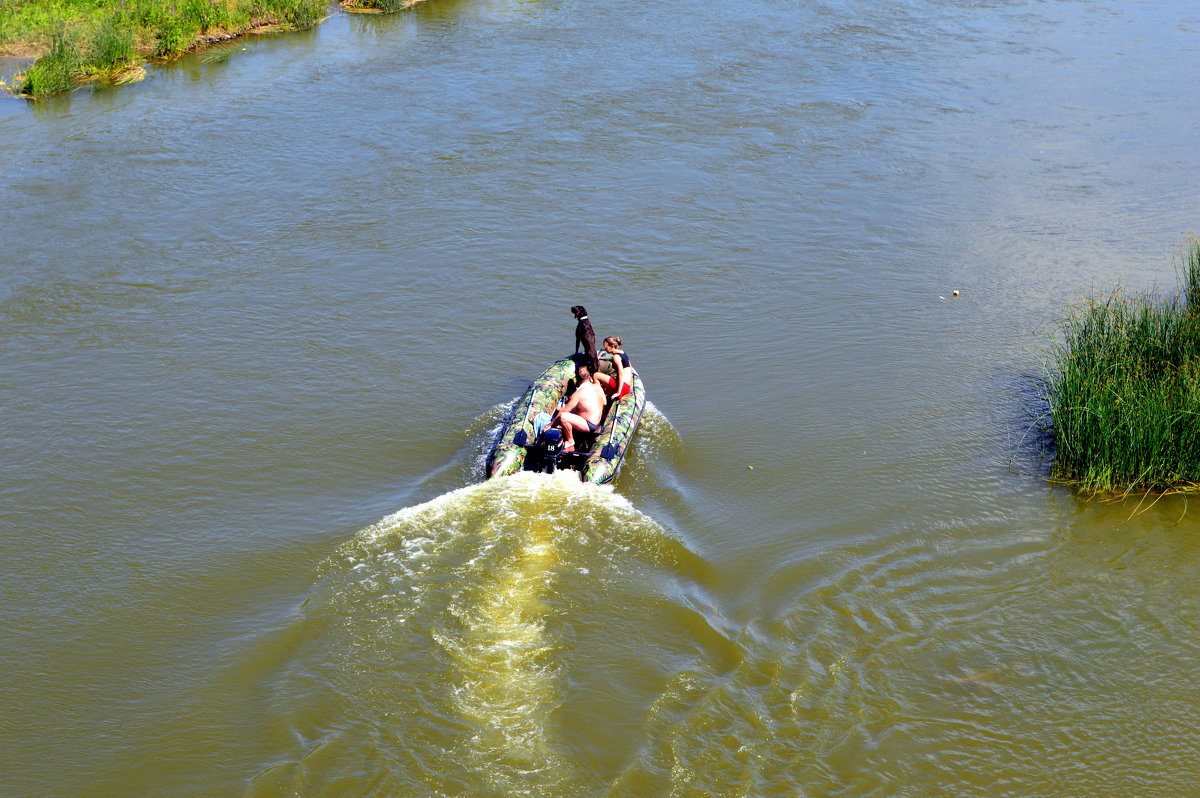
(596, 458)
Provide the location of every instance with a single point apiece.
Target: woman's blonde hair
(615, 340)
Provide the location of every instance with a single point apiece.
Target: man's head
(583, 373)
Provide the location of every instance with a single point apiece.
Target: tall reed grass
(55, 71)
(90, 40)
(1123, 390)
(384, 6)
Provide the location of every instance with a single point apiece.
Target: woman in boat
(623, 383)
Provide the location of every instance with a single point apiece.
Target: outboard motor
(542, 456)
(552, 443)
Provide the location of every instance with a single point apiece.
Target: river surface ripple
(260, 316)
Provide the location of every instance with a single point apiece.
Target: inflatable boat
(597, 457)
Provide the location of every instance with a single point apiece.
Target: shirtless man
(583, 410)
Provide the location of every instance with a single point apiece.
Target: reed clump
(377, 6)
(55, 71)
(1123, 390)
(82, 41)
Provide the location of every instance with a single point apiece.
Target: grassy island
(1123, 390)
(81, 41)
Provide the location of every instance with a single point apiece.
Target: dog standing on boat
(585, 337)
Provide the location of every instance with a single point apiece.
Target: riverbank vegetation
(80, 41)
(1123, 390)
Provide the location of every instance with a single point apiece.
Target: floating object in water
(991, 675)
(955, 292)
(597, 457)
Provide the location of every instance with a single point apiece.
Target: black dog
(585, 336)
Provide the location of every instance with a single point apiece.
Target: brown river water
(260, 316)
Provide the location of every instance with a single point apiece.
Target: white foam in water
(470, 585)
(526, 483)
(484, 442)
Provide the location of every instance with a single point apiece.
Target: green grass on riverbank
(82, 40)
(1123, 389)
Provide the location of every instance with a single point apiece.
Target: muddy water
(259, 315)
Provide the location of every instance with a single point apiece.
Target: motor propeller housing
(543, 453)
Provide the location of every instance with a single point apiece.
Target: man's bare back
(588, 401)
(583, 410)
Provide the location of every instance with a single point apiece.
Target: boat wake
(452, 631)
(457, 635)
